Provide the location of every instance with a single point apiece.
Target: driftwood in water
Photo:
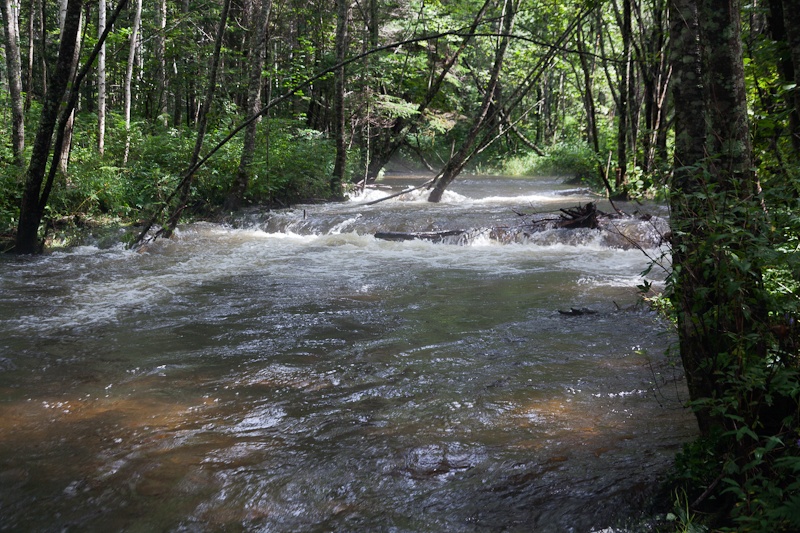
(612, 230)
(582, 216)
(433, 236)
(577, 312)
(579, 217)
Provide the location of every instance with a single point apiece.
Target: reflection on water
(296, 374)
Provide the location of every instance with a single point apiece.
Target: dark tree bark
(791, 19)
(624, 102)
(257, 54)
(63, 156)
(588, 99)
(10, 11)
(652, 59)
(689, 139)
(32, 208)
(712, 157)
(340, 126)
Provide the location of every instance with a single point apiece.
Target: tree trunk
(588, 100)
(31, 55)
(729, 136)
(340, 125)
(689, 138)
(137, 19)
(101, 80)
(624, 103)
(10, 9)
(41, 38)
(160, 52)
(257, 53)
(791, 18)
(32, 208)
(63, 157)
(712, 184)
(202, 121)
(456, 163)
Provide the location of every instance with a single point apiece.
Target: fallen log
(433, 236)
(616, 230)
(577, 312)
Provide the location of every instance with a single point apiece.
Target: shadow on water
(297, 374)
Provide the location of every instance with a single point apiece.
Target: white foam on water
(260, 419)
(337, 257)
(533, 200)
(407, 196)
(116, 282)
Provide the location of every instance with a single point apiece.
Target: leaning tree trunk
(32, 209)
(456, 163)
(257, 54)
(396, 135)
(10, 11)
(63, 156)
(202, 121)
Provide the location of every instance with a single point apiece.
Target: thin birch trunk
(160, 51)
(137, 19)
(101, 80)
(10, 10)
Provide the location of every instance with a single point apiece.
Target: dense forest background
(164, 111)
(577, 88)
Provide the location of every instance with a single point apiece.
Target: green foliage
(574, 159)
(742, 295)
(11, 185)
(295, 167)
(641, 185)
(682, 516)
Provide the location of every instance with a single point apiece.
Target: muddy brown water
(293, 373)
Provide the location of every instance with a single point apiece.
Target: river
(290, 372)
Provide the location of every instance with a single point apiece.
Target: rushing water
(293, 373)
